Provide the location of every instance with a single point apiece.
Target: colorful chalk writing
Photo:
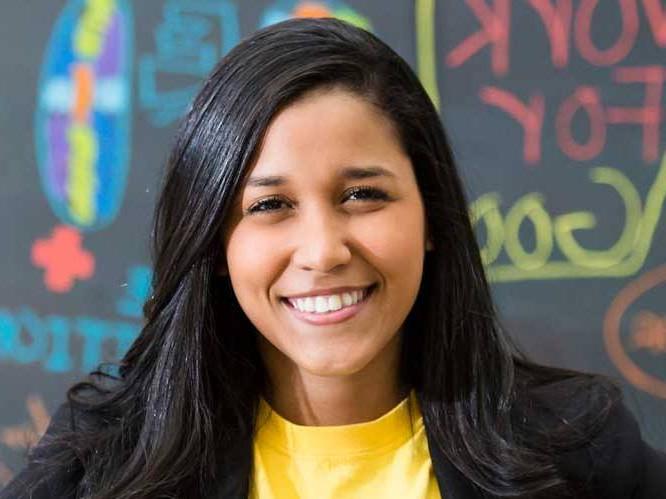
(426, 65)
(23, 436)
(624, 258)
(191, 38)
(647, 332)
(561, 22)
(530, 115)
(6, 474)
(83, 113)
(63, 259)
(287, 9)
(556, 252)
(61, 343)
(26, 337)
(137, 290)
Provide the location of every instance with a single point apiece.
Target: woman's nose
(321, 242)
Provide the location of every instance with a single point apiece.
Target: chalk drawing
(424, 17)
(83, 112)
(624, 258)
(53, 341)
(647, 332)
(24, 436)
(63, 258)
(282, 10)
(192, 36)
(137, 291)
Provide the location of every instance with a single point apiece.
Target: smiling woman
(345, 225)
(320, 324)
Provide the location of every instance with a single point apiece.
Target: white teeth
(334, 302)
(324, 304)
(321, 304)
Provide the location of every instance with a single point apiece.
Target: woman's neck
(313, 400)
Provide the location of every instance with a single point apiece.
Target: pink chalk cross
(63, 258)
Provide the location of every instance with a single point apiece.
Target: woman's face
(330, 214)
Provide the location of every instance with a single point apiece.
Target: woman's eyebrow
(350, 173)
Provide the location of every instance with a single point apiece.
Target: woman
(318, 288)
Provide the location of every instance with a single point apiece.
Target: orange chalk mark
(38, 414)
(18, 437)
(312, 9)
(6, 474)
(530, 117)
(625, 298)
(624, 44)
(648, 332)
(25, 435)
(84, 81)
(64, 259)
(495, 30)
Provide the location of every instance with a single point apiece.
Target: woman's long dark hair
(188, 387)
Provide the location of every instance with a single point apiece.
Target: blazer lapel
(452, 483)
(234, 478)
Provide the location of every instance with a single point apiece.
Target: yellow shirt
(382, 458)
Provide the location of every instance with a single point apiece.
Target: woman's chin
(332, 365)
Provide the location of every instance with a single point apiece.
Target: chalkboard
(554, 109)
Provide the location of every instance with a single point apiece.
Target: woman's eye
(367, 193)
(266, 205)
(274, 204)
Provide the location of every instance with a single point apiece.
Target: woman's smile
(324, 309)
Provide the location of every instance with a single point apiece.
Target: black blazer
(618, 464)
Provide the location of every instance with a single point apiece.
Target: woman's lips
(333, 317)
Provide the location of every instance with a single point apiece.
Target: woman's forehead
(334, 130)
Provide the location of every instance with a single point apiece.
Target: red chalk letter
(650, 114)
(557, 21)
(494, 30)
(657, 17)
(623, 45)
(529, 116)
(586, 98)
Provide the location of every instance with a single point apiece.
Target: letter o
(586, 98)
(529, 207)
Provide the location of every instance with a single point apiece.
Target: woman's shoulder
(42, 477)
(53, 468)
(594, 437)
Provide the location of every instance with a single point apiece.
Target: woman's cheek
(395, 238)
(251, 253)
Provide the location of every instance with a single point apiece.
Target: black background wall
(554, 110)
